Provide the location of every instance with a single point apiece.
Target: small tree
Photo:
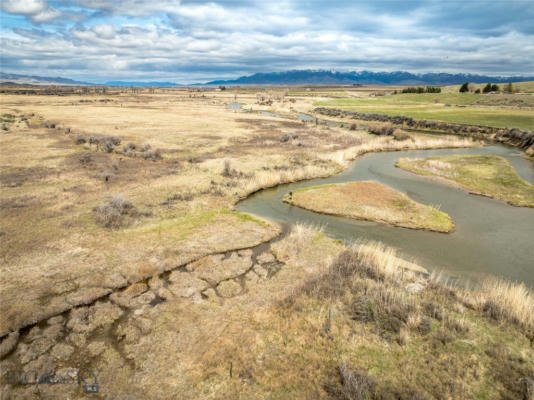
(487, 88)
(509, 88)
(464, 88)
(494, 88)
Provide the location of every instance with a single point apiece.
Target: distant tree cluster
(487, 89)
(428, 89)
(490, 88)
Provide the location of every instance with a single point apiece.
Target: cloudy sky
(192, 41)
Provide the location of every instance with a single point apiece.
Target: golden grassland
(370, 201)
(487, 175)
(131, 261)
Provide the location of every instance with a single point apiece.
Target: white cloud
(37, 10)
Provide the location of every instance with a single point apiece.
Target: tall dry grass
(500, 299)
(338, 160)
(508, 301)
(386, 261)
(267, 179)
(389, 144)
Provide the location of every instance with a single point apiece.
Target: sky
(197, 41)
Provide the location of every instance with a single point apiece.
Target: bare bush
(129, 149)
(114, 211)
(80, 139)
(400, 135)
(227, 168)
(145, 147)
(357, 384)
(116, 140)
(285, 138)
(108, 146)
(383, 130)
(153, 155)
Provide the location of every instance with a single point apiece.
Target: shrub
(145, 147)
(129, 149)
(80, 139)
(384, 130)
(153, 155)
(352, 127)
(116, 140)
(108, 146)
(113, 211)
(425, 326)
(464, 88)
(285, 138)
(487, 88)
(228, 171)
(400, 135)
(227, 168)
(357, 384)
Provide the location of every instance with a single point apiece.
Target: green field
(526, 87)
(463, 108)
(490, 175)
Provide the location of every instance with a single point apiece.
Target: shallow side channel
(491, 237)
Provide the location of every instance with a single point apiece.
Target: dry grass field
(122, 255)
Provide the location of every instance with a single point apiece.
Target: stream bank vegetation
(386, 329)
(371, 201)
(361, 325)
(487, 175)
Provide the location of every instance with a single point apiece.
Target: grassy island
(371, 201)
(487, 175)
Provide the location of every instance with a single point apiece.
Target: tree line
(488, 88)
(428, 89)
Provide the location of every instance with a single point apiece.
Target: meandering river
(491, 237)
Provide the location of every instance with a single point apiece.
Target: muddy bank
(511, 136)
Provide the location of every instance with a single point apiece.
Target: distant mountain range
(295, 77)
(322, 77)
(136, 83)
(38, 80)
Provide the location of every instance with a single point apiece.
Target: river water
(491, 237)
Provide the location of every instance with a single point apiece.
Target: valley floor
(122, 257)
